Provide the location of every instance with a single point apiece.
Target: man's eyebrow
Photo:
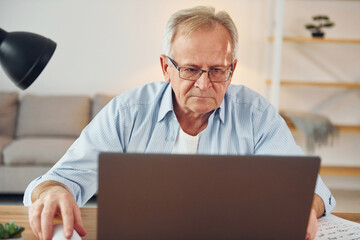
(191, 65)
(197, 66)
(218, 66)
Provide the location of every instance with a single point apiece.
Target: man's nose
(204, 81)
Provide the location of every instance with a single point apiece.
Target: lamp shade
(24, 55)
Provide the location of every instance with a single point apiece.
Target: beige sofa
(35, 131)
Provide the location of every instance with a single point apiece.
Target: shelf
(302, 45)
(317, 84)
(318, 40)
(341, 128)
(339, 171)
(333, 0)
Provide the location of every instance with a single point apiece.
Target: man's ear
(234, 66)
(164, 66)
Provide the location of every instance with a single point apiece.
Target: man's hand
(51, 198)
(312, 226)
(317, 210)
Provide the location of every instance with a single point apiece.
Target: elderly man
(196, 110)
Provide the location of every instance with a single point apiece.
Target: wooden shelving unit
(339, 171)
(276, 82)
(317, 84)
(317, 40)
(292, 83)
(341, 128)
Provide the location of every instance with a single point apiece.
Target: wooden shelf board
(341, 128)
(348, 128)
(318, 40)
(339, 171)
(317, 84)
(348, 216)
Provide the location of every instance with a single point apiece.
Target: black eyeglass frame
(202, 71)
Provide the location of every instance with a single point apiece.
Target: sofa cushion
(53, 115)
(8, 110)
(99, 101)
(10, 182)
(39, 151)
(4, 140)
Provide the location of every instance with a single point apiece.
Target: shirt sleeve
(273, 137)
(324, 193)
(77, 169)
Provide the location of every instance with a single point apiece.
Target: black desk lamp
(24, 55)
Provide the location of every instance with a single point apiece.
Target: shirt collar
(221, 110)
(166, 105)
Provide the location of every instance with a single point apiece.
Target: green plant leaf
(6, 227)
(2, 231)
(11, 228)
(6, 235)
(320, 17)
(17, 232)
(310, 26)
(325, 17)
(330, 24)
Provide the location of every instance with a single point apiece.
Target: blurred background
(112, 46)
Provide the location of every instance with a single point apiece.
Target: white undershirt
(185, 143)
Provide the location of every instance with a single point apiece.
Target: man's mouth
(201, 96)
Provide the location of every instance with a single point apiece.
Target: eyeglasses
(193, 74)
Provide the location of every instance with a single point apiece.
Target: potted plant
(11, 231)
(322, 22)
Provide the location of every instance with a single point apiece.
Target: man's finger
(312, 226)
(34, 218)
(67, 214)
(47, 217)
(78, 224)
(315, 226)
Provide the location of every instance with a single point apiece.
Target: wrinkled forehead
(211, 45)
(189, 27)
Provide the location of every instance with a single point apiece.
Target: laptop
(167, 196)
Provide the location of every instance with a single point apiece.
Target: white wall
(111, 46)
(114, 45)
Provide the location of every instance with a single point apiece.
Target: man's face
(204, 49)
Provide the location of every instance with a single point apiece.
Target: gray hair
(191, 19)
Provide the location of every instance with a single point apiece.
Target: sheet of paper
(334, 228)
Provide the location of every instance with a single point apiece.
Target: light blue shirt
(143, 120)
